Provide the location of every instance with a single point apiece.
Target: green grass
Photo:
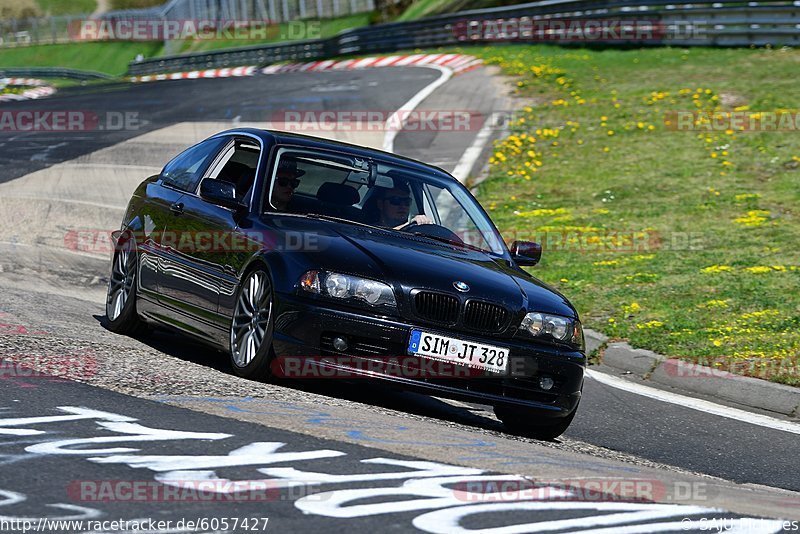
(427, 8)
(110, 58)
(298, 30)
(113, 57)
(135, 4)
(681, 242)
(423, 8)
(67, 7)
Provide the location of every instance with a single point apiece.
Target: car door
(206, 257)
(176, 285)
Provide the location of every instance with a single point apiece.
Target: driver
(393, 208)
(286, 181)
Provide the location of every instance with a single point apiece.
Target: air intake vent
(485, 316)
(436, 307)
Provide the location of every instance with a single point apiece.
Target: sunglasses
(284, 181)
(399, 201)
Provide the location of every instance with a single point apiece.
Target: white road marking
(695, 404)
(391, 133)
(471, 155)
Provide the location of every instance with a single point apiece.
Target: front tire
(252, 326)
(121, 294)
(522, 422)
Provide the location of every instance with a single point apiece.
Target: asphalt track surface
(254, 99)
(37, 324)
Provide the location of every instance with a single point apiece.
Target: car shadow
(359, 390)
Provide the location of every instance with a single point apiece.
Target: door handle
(176, 208)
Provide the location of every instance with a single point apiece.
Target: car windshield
(379, 194)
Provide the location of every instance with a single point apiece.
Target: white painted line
(471, 154)
(391, 133)
(694, 404)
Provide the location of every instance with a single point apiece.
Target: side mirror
(221, 193)
(526, 253)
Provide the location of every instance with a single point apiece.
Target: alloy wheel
(251, 318)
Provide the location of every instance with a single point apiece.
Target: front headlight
(560, 328)
(347, 287)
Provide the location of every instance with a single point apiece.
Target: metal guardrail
(681, 23)
(52, 72)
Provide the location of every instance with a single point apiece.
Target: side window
(237, 165)
(184, 172)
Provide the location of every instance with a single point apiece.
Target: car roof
(289, 138)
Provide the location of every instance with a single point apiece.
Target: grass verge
(683, 242)
(67, 7)
(110, 58)
(285, 32)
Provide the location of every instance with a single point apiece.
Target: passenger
(286, 181)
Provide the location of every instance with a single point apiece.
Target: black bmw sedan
(302, 257)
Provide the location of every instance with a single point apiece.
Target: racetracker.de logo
(732, 121)
(142, 29)
(75, 120)
(583, 489)
(189, 491)
(560, 30)
(372, 120)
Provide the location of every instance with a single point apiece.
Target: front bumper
(304, 331)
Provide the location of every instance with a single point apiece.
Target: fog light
(546, 383)
(340, 344)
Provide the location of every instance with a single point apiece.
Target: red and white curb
(196, 74)
(39, 89)
(455, 62)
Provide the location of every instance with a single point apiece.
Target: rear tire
(252, 326)
(525, 423)
(121, 295)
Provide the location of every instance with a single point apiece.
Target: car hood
(411, 262)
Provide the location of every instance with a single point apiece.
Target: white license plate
(450, 349)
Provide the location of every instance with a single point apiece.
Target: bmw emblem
(461, 286)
